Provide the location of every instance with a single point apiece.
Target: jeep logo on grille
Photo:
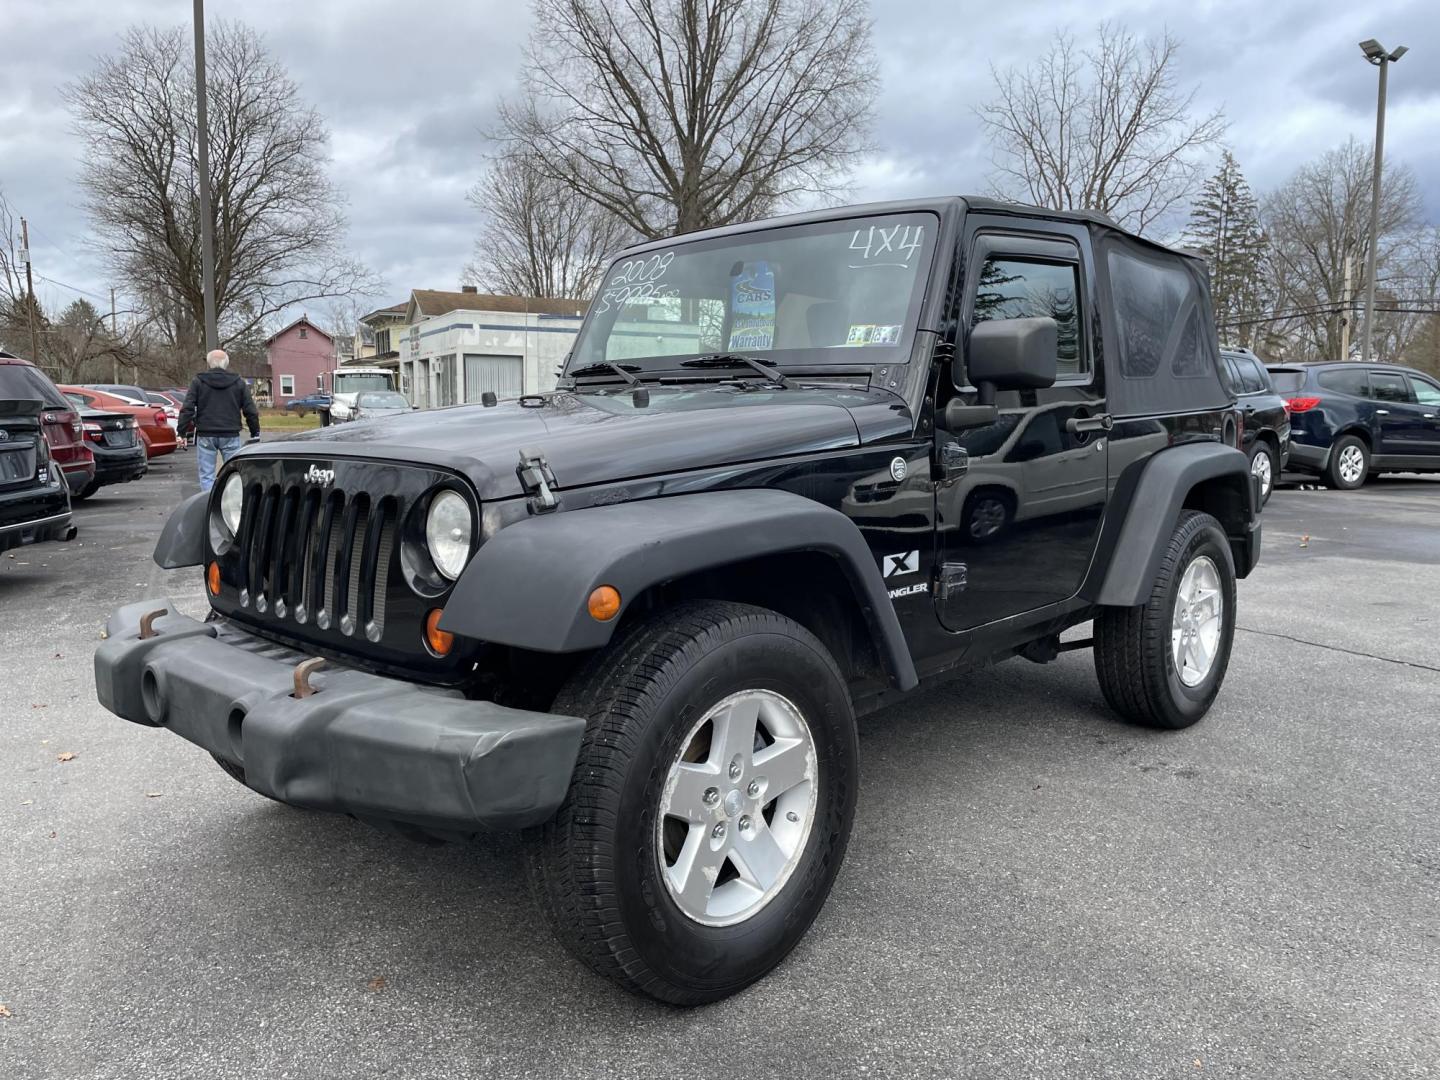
(317, 475)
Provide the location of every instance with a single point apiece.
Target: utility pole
(1349, 309)
(207, 238)
(1375, 53)
(29, 289)
(114, 336)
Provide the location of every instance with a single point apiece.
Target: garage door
(504, 376)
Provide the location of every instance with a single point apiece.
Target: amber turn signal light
(604, 603)
(438, 640)
(212, 579)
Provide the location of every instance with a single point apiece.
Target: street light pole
(207, 238)
(1376, 54)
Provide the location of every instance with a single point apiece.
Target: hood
(596, 437)
(218, 378)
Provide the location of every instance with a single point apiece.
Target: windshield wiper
(764, 367)
(605, 367)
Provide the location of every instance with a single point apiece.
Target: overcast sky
(406, 89)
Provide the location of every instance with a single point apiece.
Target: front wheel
(1161, 664)
(710, 806)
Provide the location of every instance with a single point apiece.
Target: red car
(155, 429)
(22, 380)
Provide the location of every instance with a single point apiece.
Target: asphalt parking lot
(1032, 889)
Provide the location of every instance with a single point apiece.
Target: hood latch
(538, 480)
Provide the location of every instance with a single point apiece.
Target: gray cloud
(407, 90)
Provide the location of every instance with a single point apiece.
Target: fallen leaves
(153, 794)
(376, 984)
(66, 755)
(4, 1012)
(1305, 540)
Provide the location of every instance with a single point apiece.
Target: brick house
(299, 357)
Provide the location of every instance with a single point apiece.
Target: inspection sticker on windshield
(870, 334)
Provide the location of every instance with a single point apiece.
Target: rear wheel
(1264, 467)
(1349, 463)
(85, 492)
(710, 806)
(1161, 664)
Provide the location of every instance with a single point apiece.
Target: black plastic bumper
(380, 749)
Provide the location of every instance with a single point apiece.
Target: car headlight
(232, 502)
(447, 532)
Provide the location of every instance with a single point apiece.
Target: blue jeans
(206, 447)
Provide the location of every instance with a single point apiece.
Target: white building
(454, 346)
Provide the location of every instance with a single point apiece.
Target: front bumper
(380, 749)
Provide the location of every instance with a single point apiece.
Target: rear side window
(1255, 376)
(22, 382)
(1285, 381)
(1389, 386)
(1345, 381)
(1244, 373)
(1157, 305)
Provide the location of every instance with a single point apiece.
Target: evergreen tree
(1225, 228)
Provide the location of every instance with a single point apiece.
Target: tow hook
(303, 671)
(147, 622)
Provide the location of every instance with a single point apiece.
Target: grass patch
(280, 420)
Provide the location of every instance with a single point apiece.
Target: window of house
(304, 333)
(1012, 288)
(287, 385)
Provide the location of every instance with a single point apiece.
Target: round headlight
(232, 501)
(447, 532)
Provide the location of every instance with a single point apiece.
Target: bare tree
(1104, 129)
(538, 238)
(278, 220)
(1315, 221)
(675, 115)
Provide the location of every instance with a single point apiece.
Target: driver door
(1019, 502)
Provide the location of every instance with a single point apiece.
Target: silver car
(377, 404)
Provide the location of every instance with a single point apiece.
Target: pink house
(299, 356)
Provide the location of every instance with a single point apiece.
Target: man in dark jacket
(214, 405)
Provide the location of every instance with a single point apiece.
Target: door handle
(1077, 424)
(1382, 412)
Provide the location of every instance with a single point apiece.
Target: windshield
(386, 400)
(352, 382)
(831, 292)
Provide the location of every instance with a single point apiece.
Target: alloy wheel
(737, 807)
(1197, 621)
(1352, 464)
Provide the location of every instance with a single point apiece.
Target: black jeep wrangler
(793, 470)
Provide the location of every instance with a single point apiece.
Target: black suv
(1350, 421)
(639, 615)
(1265, 432)
(34, 498)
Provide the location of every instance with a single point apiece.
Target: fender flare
(1157, 489)
(527, 586)
(182, 540)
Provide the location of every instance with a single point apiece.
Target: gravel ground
(1033, 889)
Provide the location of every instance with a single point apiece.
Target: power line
(72, 288)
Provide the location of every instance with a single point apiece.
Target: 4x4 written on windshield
(817, 293)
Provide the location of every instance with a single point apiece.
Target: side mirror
(1012, 354)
